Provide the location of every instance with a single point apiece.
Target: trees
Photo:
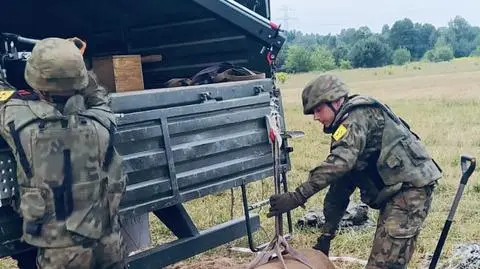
(322, 59)
(298, 59)
(301, 59)
(462, 36)
(403, 35)
(399, 43)
(401, 56)
(370, 52)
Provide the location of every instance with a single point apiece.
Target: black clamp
(207, 96)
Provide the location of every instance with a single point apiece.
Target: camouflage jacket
(371, 149)
(70, 180)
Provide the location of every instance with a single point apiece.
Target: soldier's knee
(391, 251)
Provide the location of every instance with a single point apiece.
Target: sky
(323, 17)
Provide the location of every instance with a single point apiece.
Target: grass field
(440, 101)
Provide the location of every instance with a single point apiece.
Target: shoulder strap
(359, 101)
(21, 152)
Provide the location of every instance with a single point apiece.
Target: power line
(286, 18)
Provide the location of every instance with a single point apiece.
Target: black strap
(64, 123)
(329, 104)
(59, 198)
(42, 124)
(68, 181)
(63, 194)
(21, 151)
(437, 165)
(33, 228)
(109, 153)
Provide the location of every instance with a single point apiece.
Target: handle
(467, 164)
(80, 44)
(18, 38)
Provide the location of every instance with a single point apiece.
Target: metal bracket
(207, 97)
(258, 89)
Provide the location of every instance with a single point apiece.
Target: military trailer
(177, 143)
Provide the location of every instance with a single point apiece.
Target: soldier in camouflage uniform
(70, 176)
(374, 150)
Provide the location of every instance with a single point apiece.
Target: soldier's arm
(349, 141)
(336, 202)
(6, 92)
(95, 94)
(117, 183)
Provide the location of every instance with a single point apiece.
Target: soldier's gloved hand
(281, 203)
(323, 243)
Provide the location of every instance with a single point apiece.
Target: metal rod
(276, 178)
(251, 245)
(289, 213)
(259, 204)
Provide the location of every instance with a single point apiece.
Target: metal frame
(245, 18)
(186, 247)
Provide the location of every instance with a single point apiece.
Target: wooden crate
(119, 73)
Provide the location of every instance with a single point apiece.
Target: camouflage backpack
(64, 162)
(64, 157)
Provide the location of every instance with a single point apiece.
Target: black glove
(323, 243)
(281, 203)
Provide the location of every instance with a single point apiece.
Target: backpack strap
(111, 142)
(21, 151)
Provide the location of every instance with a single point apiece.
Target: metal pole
(251, 245)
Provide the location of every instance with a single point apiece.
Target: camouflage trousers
(107, 253)
(398, 228)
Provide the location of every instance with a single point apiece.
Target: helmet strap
(329, 129)
(330, 105)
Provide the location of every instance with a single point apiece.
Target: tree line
(398, 44)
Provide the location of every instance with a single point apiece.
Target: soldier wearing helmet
(374, 150)
(69, 174)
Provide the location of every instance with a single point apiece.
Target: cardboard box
(119, 73)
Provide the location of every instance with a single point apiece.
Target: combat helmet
(324, 89)
(56, 66)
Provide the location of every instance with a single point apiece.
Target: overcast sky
(330, 16)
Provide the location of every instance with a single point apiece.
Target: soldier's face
(324, 114)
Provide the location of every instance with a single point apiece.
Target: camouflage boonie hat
(325, 88)
(56, 65)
